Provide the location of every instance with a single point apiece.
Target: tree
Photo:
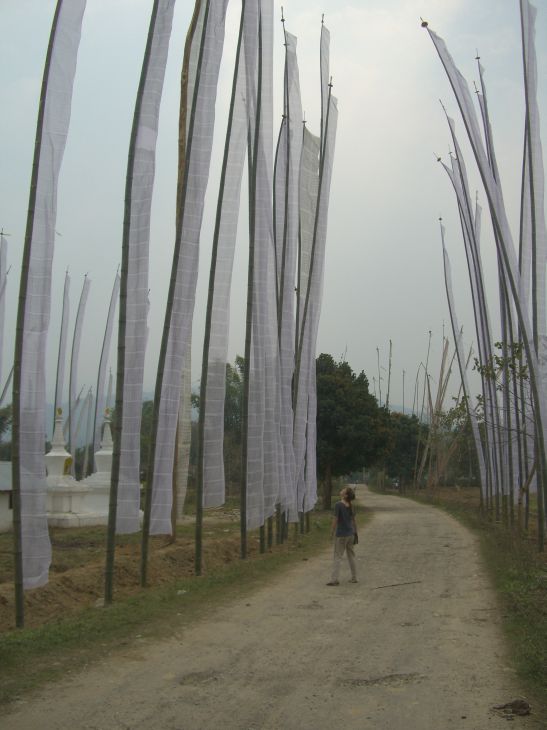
(349, 433)
(401, 444)
(5, 420)
(5, 427)
(233, 403)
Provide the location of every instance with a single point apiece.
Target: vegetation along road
(416, 644)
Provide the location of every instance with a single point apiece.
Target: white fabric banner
(505, 414)
(198, 155)
(73, 380)
(225, 236)
(139, 199)
(504, 239)
(324, 65)
(184, 431)
(263, 437)
(309, 186)
(312, 310)
(36, 547)
(534, 189)
(3, 286)
(287, 234)
(456, 331)
(100, 396)
(61, 356)
(316, 297)
(471, 232)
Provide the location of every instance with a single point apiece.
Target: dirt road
(415, 645)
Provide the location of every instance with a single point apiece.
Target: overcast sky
(383, 274)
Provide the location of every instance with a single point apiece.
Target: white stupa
(72, 503)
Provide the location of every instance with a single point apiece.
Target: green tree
(233, 405)
(5, 427)
(233, 408)
(348, 422)
(146, 430)
(402, 442)
(5, 420)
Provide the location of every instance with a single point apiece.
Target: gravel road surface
(414, 645)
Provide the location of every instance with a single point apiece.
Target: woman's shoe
(333, 583)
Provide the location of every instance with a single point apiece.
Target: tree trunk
(327, 488)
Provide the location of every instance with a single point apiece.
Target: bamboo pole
(389, 375)
(416, 486)
(298, 283)
(498, 218)
(88, 437)
(19, 333)
(120, 368)
(312, 257)
(540, 432)
(181, 201)
(280, 289)
(287, 112)
(174, 504)
(57, 401)
(484, 339)
(102, 363)
(209, 311)
(379, 377)
(73, 354)
(249, 311)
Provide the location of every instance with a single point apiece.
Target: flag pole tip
(424, 23)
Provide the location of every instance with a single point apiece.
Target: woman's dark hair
(350, 494)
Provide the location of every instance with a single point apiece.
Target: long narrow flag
(61, 355)
(462, 366)
(32, 548)
(202, 90)
(133, 312)
(261, 433)
(75, 356)
(100, 396)
(211, 475)
(504, 244)
(286, 217)
(3, 286)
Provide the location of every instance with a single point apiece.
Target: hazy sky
(383, 275)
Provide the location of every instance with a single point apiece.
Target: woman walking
(344, 532)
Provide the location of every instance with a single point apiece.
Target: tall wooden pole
(120, 370)
(312, 256)
(253, 159)
(19, 331)
(181, 200)
(209, 312)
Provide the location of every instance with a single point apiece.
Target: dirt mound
(72, 588)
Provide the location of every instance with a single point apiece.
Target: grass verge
(31, 657)
(519, 575)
